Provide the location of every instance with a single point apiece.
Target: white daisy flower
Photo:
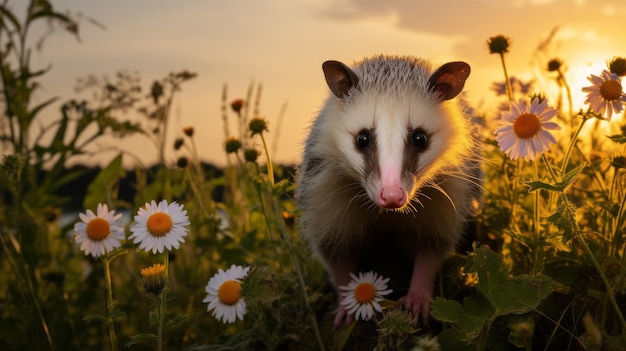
(605, 95)
(99, 234)
(363, 294)
(523, 130)
(224, 294)
(160, 227)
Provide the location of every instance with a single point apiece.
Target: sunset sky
(282, 45)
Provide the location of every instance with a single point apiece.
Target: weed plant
(215, 262)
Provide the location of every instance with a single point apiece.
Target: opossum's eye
(419, 139)
(363, 140)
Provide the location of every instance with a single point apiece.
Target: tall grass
(546, 273)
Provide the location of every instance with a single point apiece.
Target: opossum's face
(396, 144)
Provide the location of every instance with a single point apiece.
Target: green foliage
(548, 269)
(497, 295)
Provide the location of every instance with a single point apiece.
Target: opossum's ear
(448, 81)
(339, 77)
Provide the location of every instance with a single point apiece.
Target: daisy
(99, 234)
(523, 130)
(605, 94)
(160, 227)
(224, 294)
(153, 279)
(363, 294)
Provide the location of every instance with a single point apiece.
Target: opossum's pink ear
(339, 77)
(448, 81)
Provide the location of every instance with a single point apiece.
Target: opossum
(388, 173)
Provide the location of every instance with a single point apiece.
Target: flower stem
(270, 167)
(109, 291)
(263, 209)
(161, 302)
(572, 144)
(509, 90)
(536, 229)
(563, 82)
(294, 259)
(609, 289)
(617, 234)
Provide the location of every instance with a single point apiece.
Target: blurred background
(281, 44)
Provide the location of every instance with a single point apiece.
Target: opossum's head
(395, 124)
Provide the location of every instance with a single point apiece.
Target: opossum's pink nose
(391, 197)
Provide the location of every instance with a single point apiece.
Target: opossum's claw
(342, 317)
(418, 305)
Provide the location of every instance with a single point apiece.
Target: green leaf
(6, 12)
(572, 174)
(58, 144)
(568, 178)
(450, 311)
(176, 320)
(618, 138)
(565, 218)
(113, 254)
(537, 185)
(41, 106)
(140, 338)
(99, 191)
(114, 313)
(95, 318)
(517, 295)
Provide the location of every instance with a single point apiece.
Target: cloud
(525, 21)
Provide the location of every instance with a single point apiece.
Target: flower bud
(232, 145)
(554, 65)
(178, 143)
(236, 105)
(618, 66)
(619, 162)
(498, 44)
(153, 279)
(188, 131)
(182, 162)
(250, 155)
(257, 125)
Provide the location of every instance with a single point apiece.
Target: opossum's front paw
(417, 303)
(342, 317)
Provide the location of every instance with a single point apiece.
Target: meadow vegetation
(212, 260)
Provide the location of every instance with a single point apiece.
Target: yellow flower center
(98, 229)
(153, 270)
(159, 224)
(229, 292)
(527, 125)
(154, 279)
(364, 292)
(611, 90)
